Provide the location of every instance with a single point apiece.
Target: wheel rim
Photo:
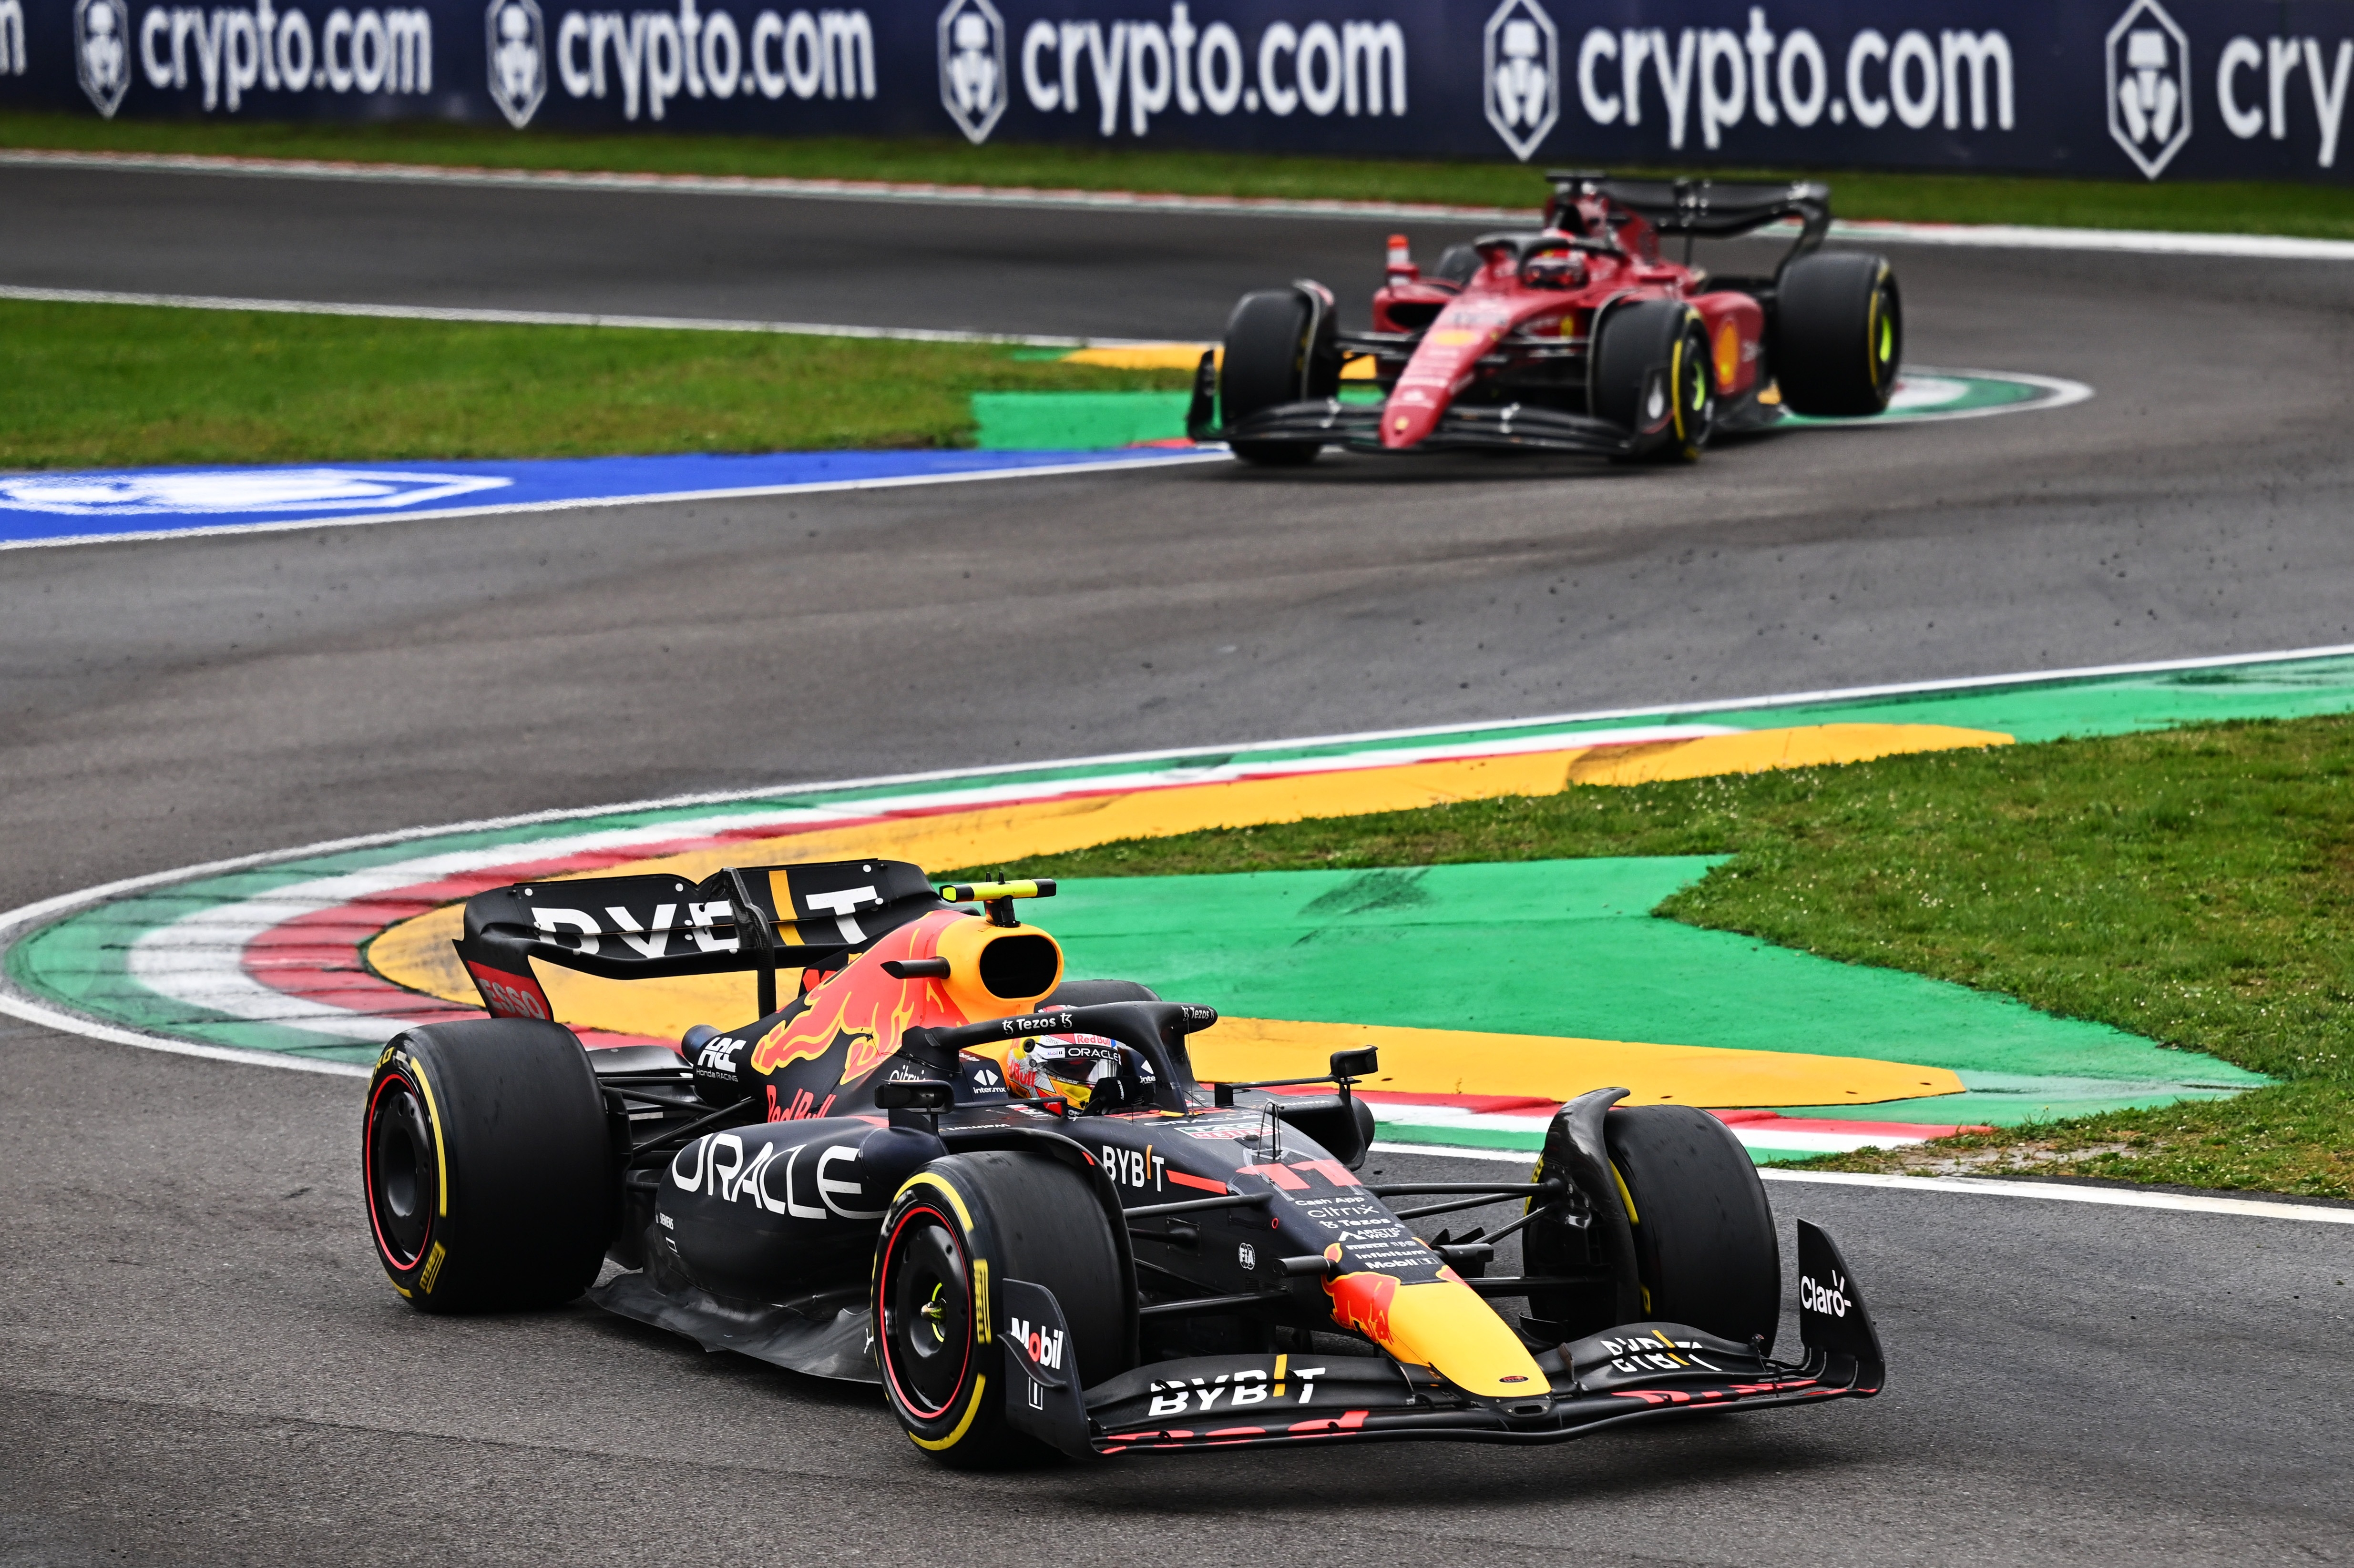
(1695, 393)
(927, 1314)
(403, 1177)
(1881, 343)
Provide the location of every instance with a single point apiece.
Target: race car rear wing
(741, 918)
(1704, 209)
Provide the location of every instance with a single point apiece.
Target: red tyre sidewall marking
(883, 1294)
(383, 1244)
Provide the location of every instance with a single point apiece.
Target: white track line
(556, 318)
(1978, 1186)
(1991, 236)
(2116, 1197)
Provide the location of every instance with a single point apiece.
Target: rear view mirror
(1361, 1063)
(915, 1094)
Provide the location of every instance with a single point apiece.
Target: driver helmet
(1088, 1071)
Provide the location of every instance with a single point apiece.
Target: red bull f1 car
(1004, 1197)
(1574, 336)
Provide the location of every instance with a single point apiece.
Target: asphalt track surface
(203, 1364)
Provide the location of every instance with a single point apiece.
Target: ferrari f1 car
(1004, 1196)
(1575, 336)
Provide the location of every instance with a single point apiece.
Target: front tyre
(1705, 1247)
(1839, 333)
(487, 1166)
(958, 1230)
(1278, 349)
(1652, 379)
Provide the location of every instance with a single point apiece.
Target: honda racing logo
(1523, 75)
(101, 52)
(2149, 85)
(518, 59)
(972, 66)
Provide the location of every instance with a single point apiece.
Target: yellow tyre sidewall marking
(980, 1264)
(964, 1424)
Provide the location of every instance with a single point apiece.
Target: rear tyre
(487, 1166)
(1704, 1241)
(1274, 353)
(959, 1222)
(1651, 378)
(1839, 333)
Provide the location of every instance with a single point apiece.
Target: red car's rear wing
(1703, 210)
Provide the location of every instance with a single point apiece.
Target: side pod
(1831, 1318)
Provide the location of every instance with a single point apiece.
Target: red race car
(1575, 336)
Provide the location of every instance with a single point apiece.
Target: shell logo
(1728, 355)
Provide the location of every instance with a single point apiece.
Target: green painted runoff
(1569, 947)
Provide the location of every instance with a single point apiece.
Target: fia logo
(103, 51)
(2149, 85)
(1523, 75)
(972, 66)
(517, 52)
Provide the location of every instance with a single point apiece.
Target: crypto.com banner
(2148, 87)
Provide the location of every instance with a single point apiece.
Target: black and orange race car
(1004, 1195)
(1574, 336)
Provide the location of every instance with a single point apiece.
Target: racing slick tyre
(1651, 378)
(959, 1222)
(488, 1165)
(1839, 333)
(1279, 349)
(1704, 1239)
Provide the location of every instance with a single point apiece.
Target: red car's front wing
(1357, 426)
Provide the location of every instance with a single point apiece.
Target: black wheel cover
(926, 1339)
(403, 1175)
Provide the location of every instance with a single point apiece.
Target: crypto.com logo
(517, 45)
(2149, 85)
(1523, 75)
(972, 66)
(102, 52)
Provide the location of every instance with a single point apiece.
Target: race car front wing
(1633, 1372)
(1328, 421)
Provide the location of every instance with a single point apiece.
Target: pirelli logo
(433, 1261)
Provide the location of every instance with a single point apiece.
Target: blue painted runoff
(53, 507)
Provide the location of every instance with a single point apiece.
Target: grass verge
(2242, 206)
(2195, 887)
(106, 385)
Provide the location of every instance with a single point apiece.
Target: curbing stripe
(15, 923)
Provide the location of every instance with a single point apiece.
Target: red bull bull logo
(1361, 1301)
